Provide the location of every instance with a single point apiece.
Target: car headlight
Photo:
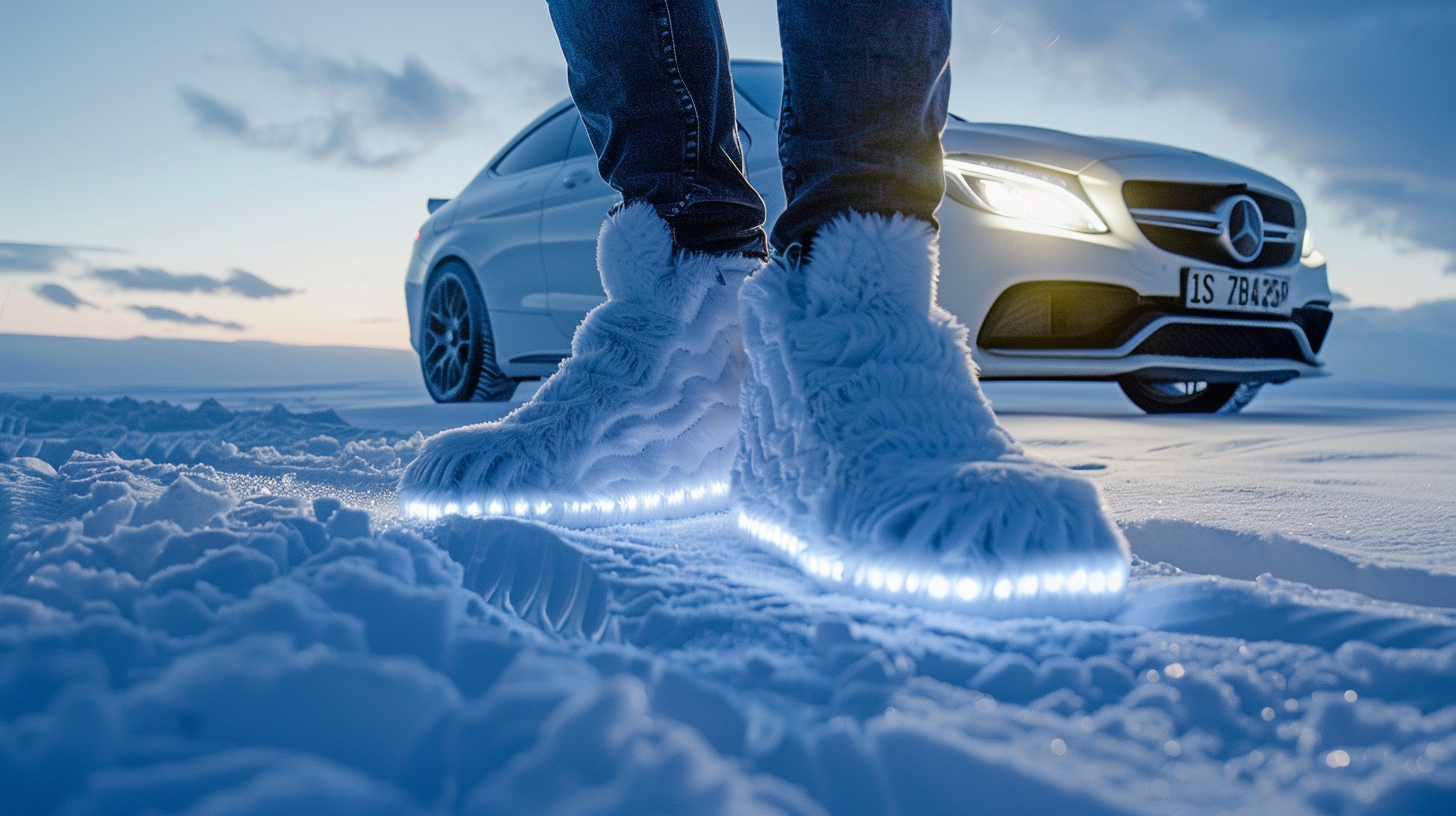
(1019, 195)
(1308, 255)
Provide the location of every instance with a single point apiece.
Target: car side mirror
(435, 204)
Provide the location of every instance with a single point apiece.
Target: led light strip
(583, 511)
(1086, 581)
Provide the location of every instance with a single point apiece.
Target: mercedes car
(1189, 280)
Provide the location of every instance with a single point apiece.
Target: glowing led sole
(1088, 586)
(581, 511)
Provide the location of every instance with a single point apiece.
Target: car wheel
(1242, 397)
(1176, 397)
(457, 349)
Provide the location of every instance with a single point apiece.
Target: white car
(1189, 280)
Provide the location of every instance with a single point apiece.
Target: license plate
(1224, 291)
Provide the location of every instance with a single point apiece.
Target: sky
(257, 171)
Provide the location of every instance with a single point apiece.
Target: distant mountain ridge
(191, 370)
(1414, 347)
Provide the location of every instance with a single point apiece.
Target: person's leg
(866, 84)
(652, 83)
(642, 420)
(868, 454)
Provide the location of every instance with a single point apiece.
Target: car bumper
(1158, 367)
(983, 256)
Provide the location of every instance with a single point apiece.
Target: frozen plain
(192, 622)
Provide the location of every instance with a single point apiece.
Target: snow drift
(192, 621)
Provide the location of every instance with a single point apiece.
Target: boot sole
(1066, 585)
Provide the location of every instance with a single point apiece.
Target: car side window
(762, 84)
(546, 144)
(580, 142)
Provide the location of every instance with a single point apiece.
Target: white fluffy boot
(870, 458)
(640, 422)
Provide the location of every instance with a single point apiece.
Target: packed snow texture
(169, 644)
(646, 404)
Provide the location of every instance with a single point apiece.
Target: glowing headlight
(1308, 255)
(1021, 196)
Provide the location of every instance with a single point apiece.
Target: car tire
(457, 349)
(1176, 397)
(1242, 397)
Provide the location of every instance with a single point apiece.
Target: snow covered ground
(212, 608)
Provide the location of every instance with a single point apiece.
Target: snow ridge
(316, 446)
(167, 647)
(169, 644)
(646, 405)
(864, 431)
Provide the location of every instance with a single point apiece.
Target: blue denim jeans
(865, 89)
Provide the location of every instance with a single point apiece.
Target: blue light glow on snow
(583, 511)
(980, 592)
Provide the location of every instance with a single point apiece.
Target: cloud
(212, 115)
(151, 279)
(253, 287)
(1359, 93)
(38, 257)
(59, 295)
(165, 315)
(526, 80)
(359, 113)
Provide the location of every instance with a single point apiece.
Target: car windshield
(762, 84)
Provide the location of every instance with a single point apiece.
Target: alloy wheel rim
(448, 336)
(1176, 391)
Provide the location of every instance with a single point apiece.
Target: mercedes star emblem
(1243, 228)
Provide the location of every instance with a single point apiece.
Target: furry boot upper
(870, 456)
(640, 422)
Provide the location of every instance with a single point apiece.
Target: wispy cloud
(15, 257)
(152, 279)
(527, 80)
(164, 315)
(212, 115)
(1359, 93)
(253, 287)
(362, 113)
(59, 295)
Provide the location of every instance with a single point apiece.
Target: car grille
(1182, 218)
(1060, 315)
(1223, 342)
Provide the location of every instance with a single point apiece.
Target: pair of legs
(819, 390)
(865, 90)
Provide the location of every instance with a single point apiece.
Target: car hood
(1051, 148)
